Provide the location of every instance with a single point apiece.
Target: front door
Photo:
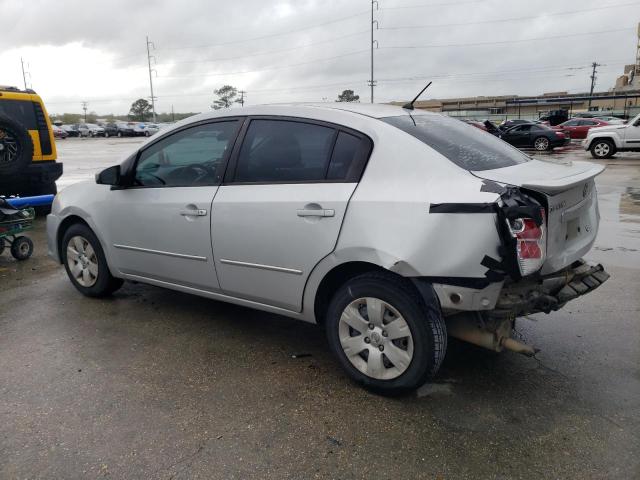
(518, 136)
(632, 133)
(281, 211)
(160, 227)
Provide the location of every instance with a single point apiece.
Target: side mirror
(109, 176)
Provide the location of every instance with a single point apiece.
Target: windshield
(466, 146)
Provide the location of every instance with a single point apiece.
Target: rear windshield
(21, 111)
(465, 145)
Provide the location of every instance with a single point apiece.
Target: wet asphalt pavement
(157, 384)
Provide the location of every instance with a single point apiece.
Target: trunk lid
(571, 202)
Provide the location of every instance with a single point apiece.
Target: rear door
(282, 205)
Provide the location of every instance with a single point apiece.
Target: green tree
(348, 96)
(226, 97)
(140, 109)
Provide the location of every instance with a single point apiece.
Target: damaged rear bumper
(549, 292)
(515, 298)
(493, 328)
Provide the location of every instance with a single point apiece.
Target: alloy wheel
(375, 338)
(602, 149)
(8, 147)
(82, 261)
(541, 144)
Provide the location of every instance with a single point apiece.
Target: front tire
(602, 149)
(86, 264)
(384, 334)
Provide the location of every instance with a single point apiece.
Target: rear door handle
(307, 212)
(193, 212)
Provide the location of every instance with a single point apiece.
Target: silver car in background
(391, 228)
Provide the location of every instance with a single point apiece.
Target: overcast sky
(309, 50)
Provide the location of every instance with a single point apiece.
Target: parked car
(72, 130)
(530, 135)
(391, 228)
(604, 142)
(118, 129)
(59, 132)
(578, 127)
(149, 129)
(507, 124)
(90, 130)
(612, 120)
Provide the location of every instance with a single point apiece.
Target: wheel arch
(610, 138)
(64, 226)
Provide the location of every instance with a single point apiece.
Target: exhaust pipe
(470, 328)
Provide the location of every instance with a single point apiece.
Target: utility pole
(173, 117)
(241, 99)
(24, 76)
(372, 82)
(85, 105)
(149, 56)
(594, 65)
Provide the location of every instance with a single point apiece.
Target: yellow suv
(27, 148)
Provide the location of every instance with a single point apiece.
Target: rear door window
(284, 151)
(466, 146)
(20, 111)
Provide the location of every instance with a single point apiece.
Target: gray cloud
(231, 37)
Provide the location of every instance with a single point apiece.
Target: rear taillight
(531, 242)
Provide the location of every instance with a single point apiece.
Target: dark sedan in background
(531, 135)
(119, 129)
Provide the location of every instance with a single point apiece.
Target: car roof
(302, 109)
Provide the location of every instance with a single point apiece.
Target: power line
(355, 82)
(272, 35)
(269, 52)
(503, 42)
(280, 67)
(513, 19)
(429, 5)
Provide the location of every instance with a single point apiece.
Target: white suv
(604, 142)
(392, 228)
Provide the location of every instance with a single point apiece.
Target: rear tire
(602, 149)
(86, 264)
(542, 144)
(384, 334)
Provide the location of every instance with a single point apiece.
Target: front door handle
(323, 212)
(193, 212)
